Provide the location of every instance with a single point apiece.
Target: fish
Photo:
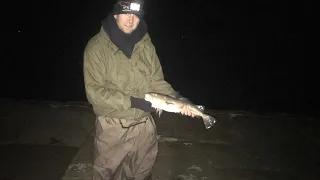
(162, 102)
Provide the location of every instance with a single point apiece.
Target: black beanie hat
(129, 7)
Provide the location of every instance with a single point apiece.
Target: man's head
(127, 22)
(127, 14)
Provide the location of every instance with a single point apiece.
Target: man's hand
(141, 104)
(186, 111)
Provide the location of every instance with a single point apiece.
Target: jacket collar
(118, 40)
(106, 39)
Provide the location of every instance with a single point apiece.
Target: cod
(162, 102)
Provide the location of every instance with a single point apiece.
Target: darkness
(249, 55)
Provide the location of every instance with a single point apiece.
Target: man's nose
(131, 18)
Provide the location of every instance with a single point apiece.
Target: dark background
(250, 55)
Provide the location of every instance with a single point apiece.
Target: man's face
(127, 22)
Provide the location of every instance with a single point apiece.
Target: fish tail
(209, 121)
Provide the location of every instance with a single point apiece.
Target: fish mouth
(147, 97)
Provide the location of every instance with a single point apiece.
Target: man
(120, 66)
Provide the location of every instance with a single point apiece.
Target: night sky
(250, 55)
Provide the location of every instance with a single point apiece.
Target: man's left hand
(186, 111)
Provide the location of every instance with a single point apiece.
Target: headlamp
(129, 6)
(135, 6)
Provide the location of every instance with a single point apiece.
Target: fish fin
(159, 111)
(175, 94)
(201, 107)
(209, 121)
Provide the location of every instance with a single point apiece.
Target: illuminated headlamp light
(126, 6)
(135, 7)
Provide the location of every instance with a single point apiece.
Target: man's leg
(112, 143)
(140, 159)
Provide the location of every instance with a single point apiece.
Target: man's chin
(128, 32)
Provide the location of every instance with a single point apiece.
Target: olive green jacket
(111, 78)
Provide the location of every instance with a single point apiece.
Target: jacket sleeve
(158, 84)
(98, 91)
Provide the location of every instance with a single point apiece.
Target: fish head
(153, 97)
(148, 97)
